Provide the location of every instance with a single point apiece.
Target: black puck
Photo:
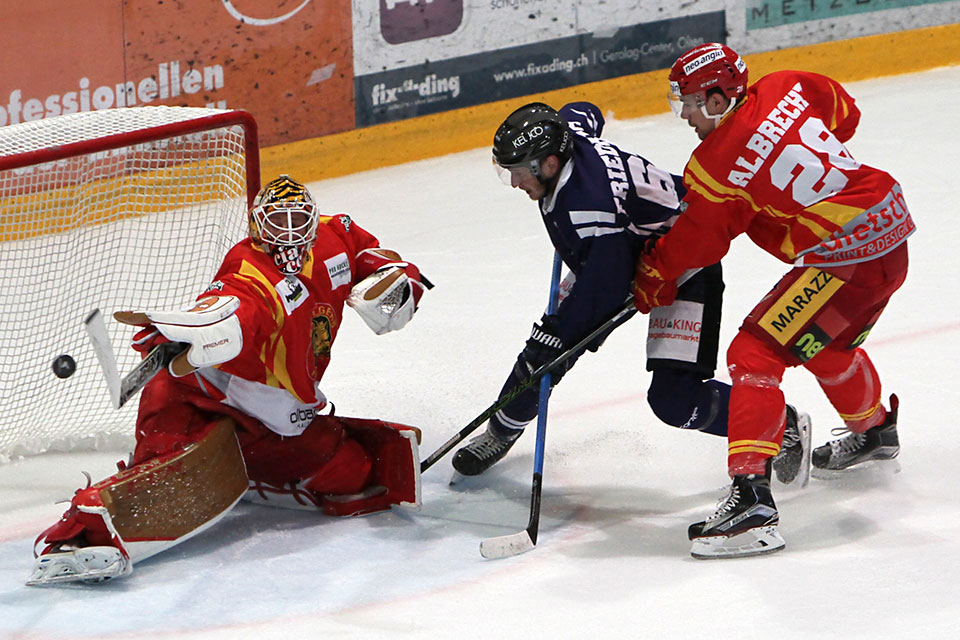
(64, 366)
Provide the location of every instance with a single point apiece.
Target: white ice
(873, 554)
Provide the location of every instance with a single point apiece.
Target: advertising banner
(773, 13)
(57, 59)
(288, 62)
(487, 76)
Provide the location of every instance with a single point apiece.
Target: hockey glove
(146, 339)
(650, 288)
(543, 346)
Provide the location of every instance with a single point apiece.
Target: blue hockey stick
(516, 543)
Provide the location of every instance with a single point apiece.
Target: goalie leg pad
(395, 477)
(147, 508)
(374, 466)
(296, 472)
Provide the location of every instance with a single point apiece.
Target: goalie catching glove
(387, 298)
(210, 327)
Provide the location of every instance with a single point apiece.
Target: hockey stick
(122, 390)
(621, 315)
(516, 543)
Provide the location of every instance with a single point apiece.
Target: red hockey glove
(146, 339)
(650, 289)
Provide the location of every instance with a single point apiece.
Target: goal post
(116, 209)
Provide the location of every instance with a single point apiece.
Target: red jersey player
(240, 413)
(772, 164)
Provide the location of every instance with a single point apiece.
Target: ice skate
(484, 451)
(86, 564)
(745, 523)
(878, 443)
(792, 464)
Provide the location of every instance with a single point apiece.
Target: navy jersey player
(600, 205)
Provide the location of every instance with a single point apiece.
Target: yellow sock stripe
(754, 446)
(863, 415)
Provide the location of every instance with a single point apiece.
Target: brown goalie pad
(171, 496)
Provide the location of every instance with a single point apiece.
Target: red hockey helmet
(709, 66)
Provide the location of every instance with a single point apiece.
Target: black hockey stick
(122, 390)
(621, 315)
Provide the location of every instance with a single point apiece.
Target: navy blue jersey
(606, 204)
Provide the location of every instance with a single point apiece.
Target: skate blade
(89, 565)
(753, 542)
(461, 481)
(870, 467)
(802, 478)
(806, 436)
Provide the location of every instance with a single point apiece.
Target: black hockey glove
(542, 347)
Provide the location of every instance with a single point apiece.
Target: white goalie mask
(283, 221)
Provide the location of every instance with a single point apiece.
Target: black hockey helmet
(530, 134)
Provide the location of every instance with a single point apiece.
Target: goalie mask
(283, 222)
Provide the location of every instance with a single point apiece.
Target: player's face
(697, 110)
(523, 177)
(287, 226)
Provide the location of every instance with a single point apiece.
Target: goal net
(116, 209)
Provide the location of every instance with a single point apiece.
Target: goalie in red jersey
(240, 413)
(772, 164)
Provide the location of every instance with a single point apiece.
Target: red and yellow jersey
(776, 168)
(289, 324)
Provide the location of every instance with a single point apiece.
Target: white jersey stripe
(586, 232)
(585, 217)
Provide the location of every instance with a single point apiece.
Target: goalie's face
(286, 231)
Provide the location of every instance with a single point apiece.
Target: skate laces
(726, 504)
(486, 445)
(849, 443)
(791, 437)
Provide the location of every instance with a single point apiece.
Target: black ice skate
(878, 443)
(745, 523)
(792, 464)
(483, 452)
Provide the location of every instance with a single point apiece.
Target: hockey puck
(64, 366)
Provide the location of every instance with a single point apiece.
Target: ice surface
(872, 554)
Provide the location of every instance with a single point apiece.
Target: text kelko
(767, 135)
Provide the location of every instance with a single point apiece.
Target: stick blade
(507, 546)
(100, 341)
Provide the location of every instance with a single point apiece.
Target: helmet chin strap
(718, 117)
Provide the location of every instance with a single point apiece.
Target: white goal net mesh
(115, 209)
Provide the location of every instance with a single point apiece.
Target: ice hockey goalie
(241, 415)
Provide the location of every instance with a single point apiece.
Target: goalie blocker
(145, 509)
